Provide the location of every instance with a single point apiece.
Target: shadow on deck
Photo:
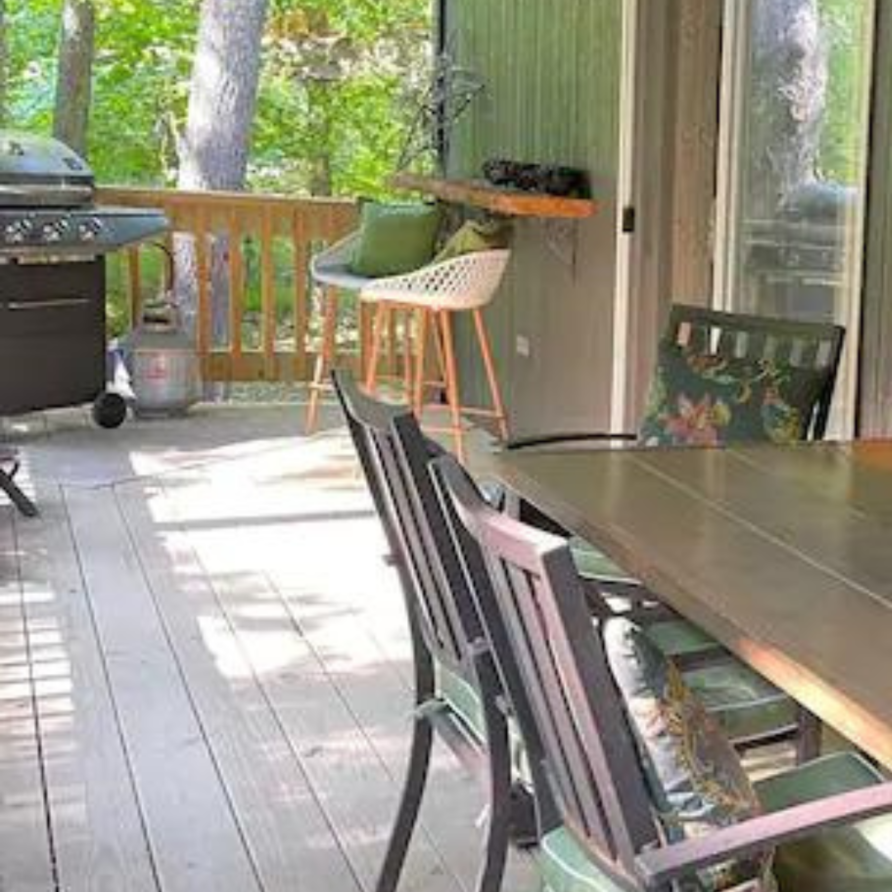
(204, 679)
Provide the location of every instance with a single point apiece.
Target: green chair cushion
(678, 637)
(475, 236)
(696, 781)
(394, 238)
(711, 400)
(564, 866)
(857, 858)
(594, 564)
(464, 699)
(743, 702)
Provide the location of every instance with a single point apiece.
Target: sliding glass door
(793, 158)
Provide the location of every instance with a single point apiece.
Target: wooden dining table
(783, 553)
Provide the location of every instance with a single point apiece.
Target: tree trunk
(214, 153)
(790, 71)
(223, 94)
(74, 81)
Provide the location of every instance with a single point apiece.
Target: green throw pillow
(699, 400)
(696, 781)
(475, 236)
(395, 238)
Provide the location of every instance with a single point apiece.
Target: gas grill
(53, 242)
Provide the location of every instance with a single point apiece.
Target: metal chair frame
(552, 664)
(444, 629)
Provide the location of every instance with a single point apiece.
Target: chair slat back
(555, 671)
(446, 617)
(363, 414)
(815, 346)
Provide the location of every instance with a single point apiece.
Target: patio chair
(636, 788)
(444, 631)
(719, 355)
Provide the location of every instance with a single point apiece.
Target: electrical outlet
(522, 346)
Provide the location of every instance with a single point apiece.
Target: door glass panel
(795, 113)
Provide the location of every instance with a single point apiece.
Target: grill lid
(47, 209)
(41, 171)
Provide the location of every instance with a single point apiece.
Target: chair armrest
(567, 437)
(661, 866)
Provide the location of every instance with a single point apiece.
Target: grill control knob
(89, 230)
(16, 232)
(54, 230)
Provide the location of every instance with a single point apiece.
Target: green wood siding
(552, 74)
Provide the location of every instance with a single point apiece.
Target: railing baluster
(268, 295)
(300, 259)
(236, 289)
(202, 270)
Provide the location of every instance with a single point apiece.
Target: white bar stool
(466, 283)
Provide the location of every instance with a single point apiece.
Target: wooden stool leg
(421, 363)
(371, 375)
(438, 345)
(326, 355)
(495, 392)
(408, 319)
(452, 390)
(366, 314)
(392, 343)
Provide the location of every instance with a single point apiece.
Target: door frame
(874, 417)
(644, 202)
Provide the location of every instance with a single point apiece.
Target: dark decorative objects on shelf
(452, 90)
(551, 179)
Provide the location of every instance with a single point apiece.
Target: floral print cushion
(696, 782)
(707, 400)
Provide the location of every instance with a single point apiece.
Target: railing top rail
(230, 199)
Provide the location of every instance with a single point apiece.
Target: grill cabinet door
(52, 334)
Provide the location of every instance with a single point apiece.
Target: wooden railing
(246, 258)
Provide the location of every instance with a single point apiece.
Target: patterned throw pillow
(696, 782)
(699, 400)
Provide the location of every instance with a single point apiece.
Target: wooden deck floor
(204, 679)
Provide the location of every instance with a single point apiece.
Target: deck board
(27, 863)
(196, 841)
(99, 840)
(291, 844)
(337, 753)
(222, 699)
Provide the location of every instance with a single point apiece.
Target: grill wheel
(109, 410)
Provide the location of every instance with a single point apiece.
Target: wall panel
(551, 69)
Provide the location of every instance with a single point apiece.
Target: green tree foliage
(334, 97)
(846, 24)
(338, 80)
